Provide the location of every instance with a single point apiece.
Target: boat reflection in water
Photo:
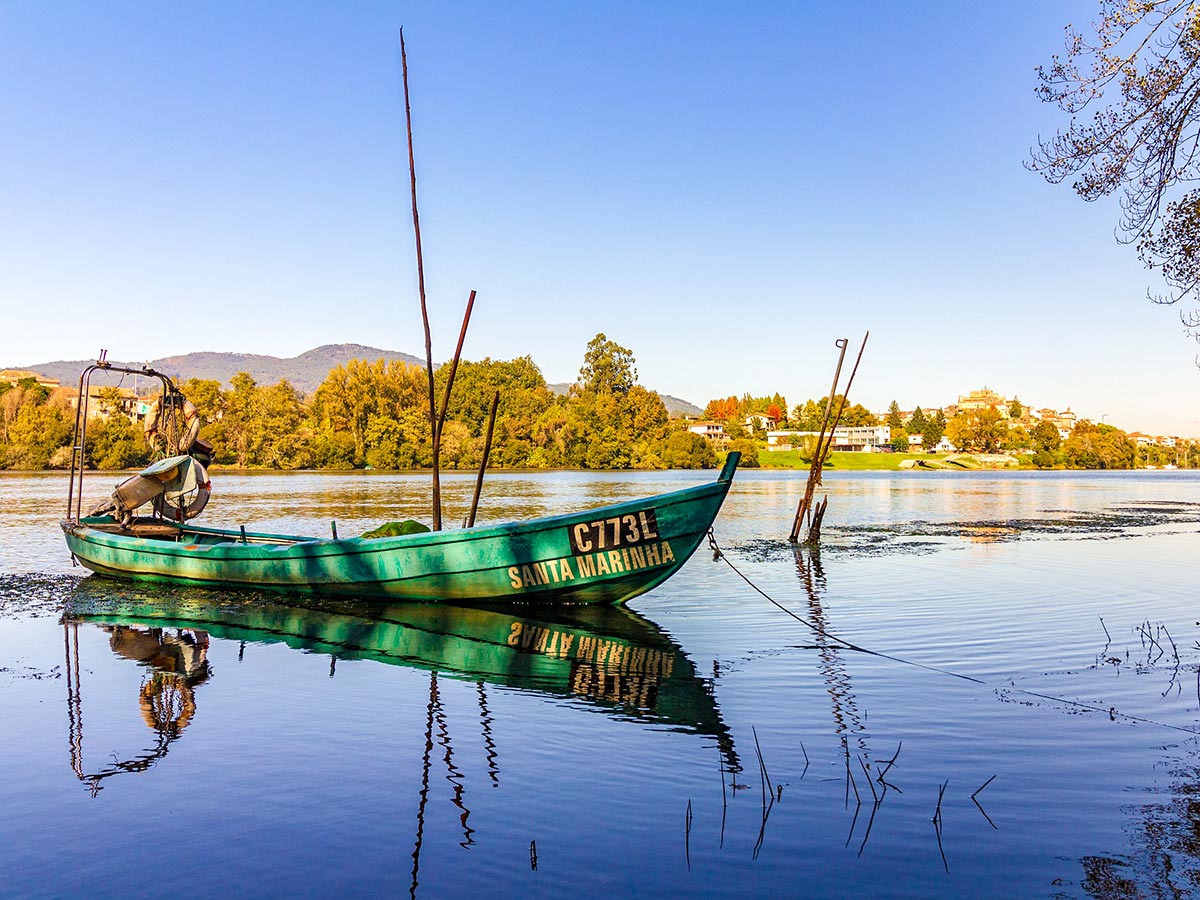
(609, 657)
(177, 661)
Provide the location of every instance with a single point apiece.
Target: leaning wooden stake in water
(824, 445)
(811, 485)
(818, 515)
(412, 183)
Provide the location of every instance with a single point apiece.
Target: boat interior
(161, 530)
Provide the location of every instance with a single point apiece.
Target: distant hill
(677, 407)
(674, 405)
(305, 372)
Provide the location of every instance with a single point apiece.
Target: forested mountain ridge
(304, 372)
(375, 414)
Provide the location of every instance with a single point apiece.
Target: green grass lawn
(843, 462)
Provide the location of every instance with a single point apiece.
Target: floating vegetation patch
(102, 596)
(34, 596)
(28, 673)
(869, 542)
(1117, 522)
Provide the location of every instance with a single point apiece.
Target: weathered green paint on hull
(604, 555)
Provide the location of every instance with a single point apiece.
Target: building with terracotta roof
(16, 376)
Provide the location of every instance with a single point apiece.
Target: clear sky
(722, 188)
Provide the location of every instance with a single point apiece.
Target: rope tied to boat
(719, 554)
(820, 632)
(712, 545)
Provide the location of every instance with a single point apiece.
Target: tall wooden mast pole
(412, 183)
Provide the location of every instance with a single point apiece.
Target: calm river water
(1017, 715)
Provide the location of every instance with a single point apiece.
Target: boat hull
(604, 555)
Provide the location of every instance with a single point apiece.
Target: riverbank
(898, 462)
(856, 462)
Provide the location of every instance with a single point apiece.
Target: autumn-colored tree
(981, 430)
(723, 409)
(1099, 447)
(353, 395)
(34, 428)
(1045, 436)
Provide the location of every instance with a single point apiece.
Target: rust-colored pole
(412, 183)
(814, 533)
(487, 449)
(462, 334)
(811, 484)
(842, 406)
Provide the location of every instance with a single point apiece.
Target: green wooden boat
(603, 555)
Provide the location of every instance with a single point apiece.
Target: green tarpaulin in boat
(397, 529)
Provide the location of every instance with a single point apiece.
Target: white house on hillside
(714, 431)
(853, 439)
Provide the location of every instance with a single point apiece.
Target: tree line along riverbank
(375, 415)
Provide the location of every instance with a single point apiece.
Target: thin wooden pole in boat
(487, 449)
(462, 334)
(811, 484)
(412, 183)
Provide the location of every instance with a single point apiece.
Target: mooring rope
(1111, 712)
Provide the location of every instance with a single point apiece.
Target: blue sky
(722, 188)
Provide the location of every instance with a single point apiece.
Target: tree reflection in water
(1166, 848)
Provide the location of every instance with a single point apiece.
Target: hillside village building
(105, 402)
(981, 399)
(761, 421)
(16, 376)
(846, 438)
(713, 431)
(1065, 421)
